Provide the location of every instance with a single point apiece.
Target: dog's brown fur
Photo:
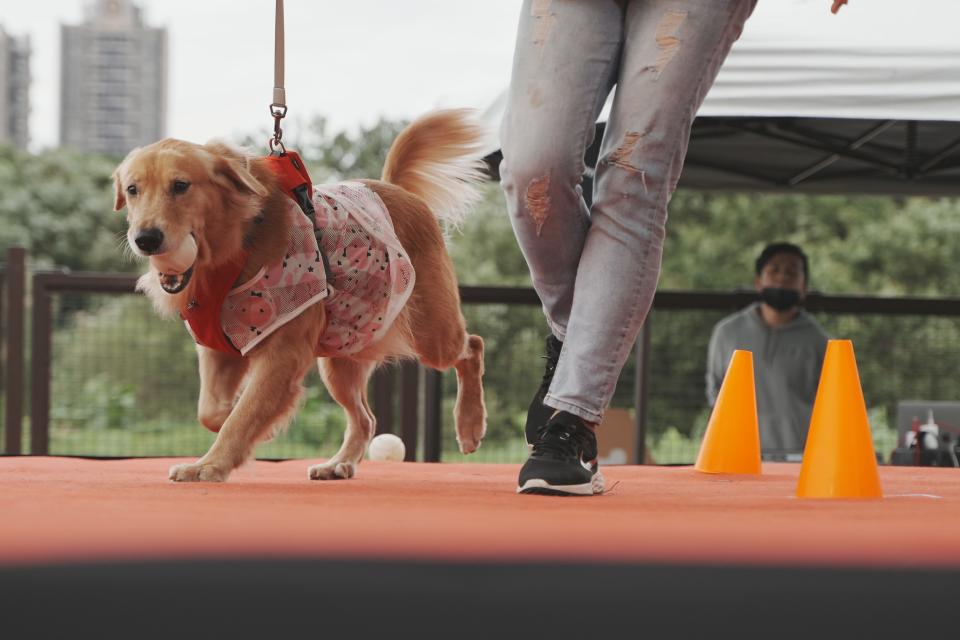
(233, 203)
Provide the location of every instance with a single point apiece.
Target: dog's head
(187, 204)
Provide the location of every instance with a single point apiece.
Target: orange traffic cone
(839, 461)
(732, 441)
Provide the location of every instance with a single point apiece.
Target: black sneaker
(564, 459)
(538, 414)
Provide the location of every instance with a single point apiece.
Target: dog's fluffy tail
(438, 158)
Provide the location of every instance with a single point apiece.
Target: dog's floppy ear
(120, 200)
(232, 168)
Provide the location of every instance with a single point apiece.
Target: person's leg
(672, 52)
(564, 66)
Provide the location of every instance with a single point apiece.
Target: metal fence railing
(12, 300)
(107, 377)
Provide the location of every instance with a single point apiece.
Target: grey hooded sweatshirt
(786, 365)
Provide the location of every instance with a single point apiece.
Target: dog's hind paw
(471, 427)
(332, 471)
(197, 473)
(468, 445)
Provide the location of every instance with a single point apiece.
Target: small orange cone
(732, 441)
(838, 460)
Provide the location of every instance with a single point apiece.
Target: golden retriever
(211, 204)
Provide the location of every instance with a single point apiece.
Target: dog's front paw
(197, 472)
(332, 470)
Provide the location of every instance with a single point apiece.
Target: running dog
(270, 276)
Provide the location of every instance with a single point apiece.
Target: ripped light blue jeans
(596, 269)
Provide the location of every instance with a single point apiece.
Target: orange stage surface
(55, 510)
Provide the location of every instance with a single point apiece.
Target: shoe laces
(559, 440)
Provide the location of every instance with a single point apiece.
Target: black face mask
(780, 299)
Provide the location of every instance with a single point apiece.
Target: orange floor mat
(62, 509)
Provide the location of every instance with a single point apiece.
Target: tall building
(14, 90)
(113, 85)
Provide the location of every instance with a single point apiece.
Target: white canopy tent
(866, 101)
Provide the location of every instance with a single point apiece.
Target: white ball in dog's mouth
(176, 261)
(388, 447)
(174, 268)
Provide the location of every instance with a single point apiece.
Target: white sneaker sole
(536, 485)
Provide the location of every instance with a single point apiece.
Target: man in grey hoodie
(787, 345)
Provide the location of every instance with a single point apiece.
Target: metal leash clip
(278, 111)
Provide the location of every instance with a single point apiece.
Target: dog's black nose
(149, 240)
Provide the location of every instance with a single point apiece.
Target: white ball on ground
(387, 447)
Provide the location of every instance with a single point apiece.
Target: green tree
(857, 244)
(343, 155)
(58, 205)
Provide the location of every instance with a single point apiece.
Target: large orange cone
(839, 461)
(732, 441)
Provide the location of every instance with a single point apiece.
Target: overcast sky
(356, 60)
(351, 61)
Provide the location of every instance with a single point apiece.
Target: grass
(180, 440)
(192, 440)
(189, 439)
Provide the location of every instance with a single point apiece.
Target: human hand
(836, 5)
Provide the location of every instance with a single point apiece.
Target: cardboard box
(617, 437)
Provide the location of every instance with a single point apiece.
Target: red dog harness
(342, 250)
(203, 313)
